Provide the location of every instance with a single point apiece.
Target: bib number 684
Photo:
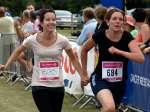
(112, 72)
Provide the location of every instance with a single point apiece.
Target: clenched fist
(113, 50)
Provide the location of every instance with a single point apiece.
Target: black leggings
(49, 99)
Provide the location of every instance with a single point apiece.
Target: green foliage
(75, 6)
(17, 6)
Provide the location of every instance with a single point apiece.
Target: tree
(75, 6)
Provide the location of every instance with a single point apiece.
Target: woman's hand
(113, 50)
(146, 50)
(84, 79)
(2, 67)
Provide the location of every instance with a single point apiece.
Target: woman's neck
(112, 32)
(114, 35)
(48, 35)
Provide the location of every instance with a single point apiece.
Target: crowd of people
(117, 37)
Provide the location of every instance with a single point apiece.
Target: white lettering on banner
(136, 79)
(71, 76)
(49, 70)
(66, 63)
(112, 71)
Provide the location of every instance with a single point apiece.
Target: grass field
(67, 31)
(16, 99)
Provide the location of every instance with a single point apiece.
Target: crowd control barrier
(138, 85)
(8, 42)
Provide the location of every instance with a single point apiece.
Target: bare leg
(106, 99)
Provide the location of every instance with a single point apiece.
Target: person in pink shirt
(139, 15)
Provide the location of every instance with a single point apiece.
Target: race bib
(49, 70)
(112, 71)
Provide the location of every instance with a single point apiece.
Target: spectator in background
(139, 15)
(7, 12)
(147, 10)
(33, 16)
(147, 44)
(6, 23)
(89, 25)
(24, 28)
(129, 23)
(30, 7)
(100, 14)
(35, 20)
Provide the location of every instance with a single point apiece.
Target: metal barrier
(8, 43)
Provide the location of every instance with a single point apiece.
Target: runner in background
(116, 47)
(47, 78)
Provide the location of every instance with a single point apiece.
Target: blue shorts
(117, 88)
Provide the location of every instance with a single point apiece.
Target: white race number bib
(112, 71)
(49, 70)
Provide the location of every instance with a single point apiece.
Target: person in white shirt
(6, 22)
(47, 78)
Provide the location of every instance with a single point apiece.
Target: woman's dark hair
(110, 13)
(100, 12)
(32, 15)
(139, 15)
(148, 20)
(42, 13)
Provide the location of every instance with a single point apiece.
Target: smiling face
(116, 21)
(49, 22)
